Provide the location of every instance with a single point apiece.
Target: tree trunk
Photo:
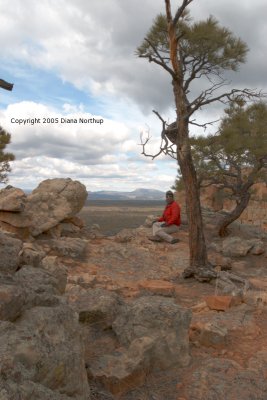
(198, 253)
(234, 214)
(197, 245)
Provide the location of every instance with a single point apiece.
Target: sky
(82, 98)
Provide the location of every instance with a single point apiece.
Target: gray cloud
(96, 41)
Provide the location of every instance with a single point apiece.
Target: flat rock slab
(221, 303)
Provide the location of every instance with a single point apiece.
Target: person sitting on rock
(168, 223)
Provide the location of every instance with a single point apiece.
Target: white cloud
(41, 130)
(91, 153)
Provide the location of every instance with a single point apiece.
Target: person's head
(169, 196)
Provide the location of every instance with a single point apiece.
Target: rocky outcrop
(164, 322)
(115, 312)
(52, 202)
(41, 347)
(151, 334)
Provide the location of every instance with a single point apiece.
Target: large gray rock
(41, 288)
(161, 320)
(12, 199)
(73, 191)
(97, 306)
(56, 269)
(12, 299)
(9, 253)
(69, 247)
(43, 350)
(123, 369)
(31, 254)
(51, 202)
(236, 247)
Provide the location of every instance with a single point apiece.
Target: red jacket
(171, 214)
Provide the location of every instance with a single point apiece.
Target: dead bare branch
(165, 148)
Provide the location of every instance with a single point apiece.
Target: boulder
(124, 369)
(56, 269)
(236, 247)
(40, 287)
(208, 334)
(13, 231)
(31, 254)
(160, 319)
(12, 299)
(69, 247)
(9, 253)
(68, 229)
(51, 202)
(12, 199)
(43, 350)
(73, 192)
(97, 306)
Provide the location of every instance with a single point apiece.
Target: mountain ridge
(137, 194)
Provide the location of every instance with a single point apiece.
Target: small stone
(199, 307)
(219, 303)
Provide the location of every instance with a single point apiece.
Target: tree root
(232, 284)
(201, 274)
(228, 282)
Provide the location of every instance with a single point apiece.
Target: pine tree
(5, 158)
(191, 51)
(236, 157)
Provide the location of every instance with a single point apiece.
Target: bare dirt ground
(230, 365)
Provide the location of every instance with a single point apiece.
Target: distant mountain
(138, 194)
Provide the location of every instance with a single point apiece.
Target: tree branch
(160, 62)
(203, 125)
(165, 147)
(6, 85)
(225, 97)
(180, 10)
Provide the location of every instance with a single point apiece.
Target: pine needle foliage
(5, 157)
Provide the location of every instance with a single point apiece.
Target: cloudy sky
(76, 60)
